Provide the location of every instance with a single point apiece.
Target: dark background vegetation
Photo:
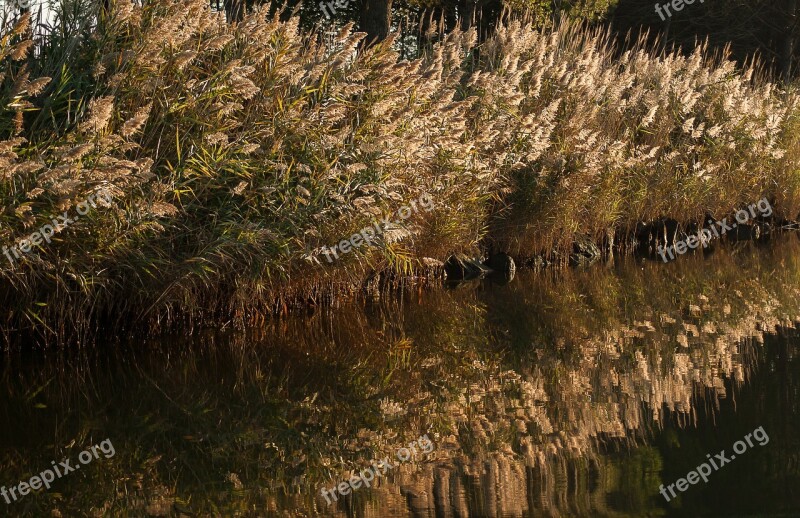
(763, 28)
(766, 29)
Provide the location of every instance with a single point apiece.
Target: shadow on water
(576, 392)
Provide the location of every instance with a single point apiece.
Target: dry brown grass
(235, 153)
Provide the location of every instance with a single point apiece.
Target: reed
(234, 153)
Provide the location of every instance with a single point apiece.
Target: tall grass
(611, 141)
(236, 152)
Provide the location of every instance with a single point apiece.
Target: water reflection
(569, 393)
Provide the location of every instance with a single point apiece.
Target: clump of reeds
(600, 142)
(236, 152)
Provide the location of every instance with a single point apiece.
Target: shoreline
(380, 284)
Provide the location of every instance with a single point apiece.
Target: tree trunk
(787, 49)
(467, 13)
(234, 10)
(376, 18)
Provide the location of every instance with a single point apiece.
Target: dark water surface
(572, 393)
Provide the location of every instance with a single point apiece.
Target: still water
(569, 393)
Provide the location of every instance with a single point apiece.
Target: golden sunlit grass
(235, 153)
